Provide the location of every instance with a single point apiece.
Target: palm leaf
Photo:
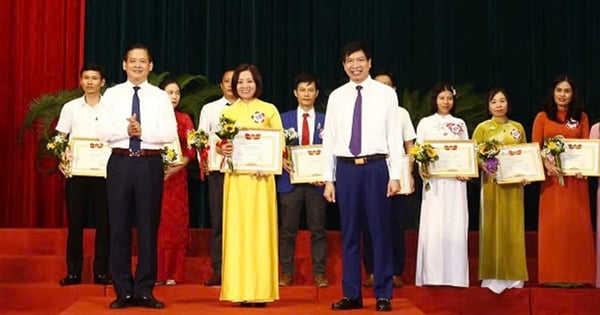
(155, 79)
(470, 105)
(44, 110)
(189, 81)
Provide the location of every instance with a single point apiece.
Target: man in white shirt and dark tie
(137, 123)
(362, 152)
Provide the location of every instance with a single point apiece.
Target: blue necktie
(355, 141)
(135, 142)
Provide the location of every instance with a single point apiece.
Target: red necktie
(305, 132)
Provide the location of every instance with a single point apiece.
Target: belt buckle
(360, 161)
(135, 153)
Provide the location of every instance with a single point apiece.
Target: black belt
(142, 152)
(360, 160)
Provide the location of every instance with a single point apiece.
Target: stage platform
(32, 261)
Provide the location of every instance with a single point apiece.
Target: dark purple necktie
(355, 142)
(135, 142)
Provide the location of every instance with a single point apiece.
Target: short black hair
(137, 46)
(355, 46)
(492, 92)
(387, 73)
(308, 78)
(92, 66)
(168, 81)
(227, 69)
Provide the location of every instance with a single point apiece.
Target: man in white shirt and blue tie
(137, 123)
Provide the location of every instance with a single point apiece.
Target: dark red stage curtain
(43, 50)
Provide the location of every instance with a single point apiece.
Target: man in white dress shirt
(138, 122)
(209, 122)
(78, 118)
(361, 138)
(399, 202)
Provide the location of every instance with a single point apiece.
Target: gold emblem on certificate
(90, 157)
(308, 164)
(257, 150)
(519, 161)
(581, 156)
(456, 158)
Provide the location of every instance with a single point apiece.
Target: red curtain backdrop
(43, 53)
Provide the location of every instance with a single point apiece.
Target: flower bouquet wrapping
(198, 139)
(290, 135)
(425, 154)
(551, 151)
(486, 153)
(227, 131)
(59, 147)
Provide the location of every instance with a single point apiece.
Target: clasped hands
(134, 129)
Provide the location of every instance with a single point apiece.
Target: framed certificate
(214, 158)
(519, 161)
(175, 147)
(308, 164)
(405, 187)
(456, 158)
(257, 150)
(90, 156)
(581, 156)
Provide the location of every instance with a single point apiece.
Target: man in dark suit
(294, 197)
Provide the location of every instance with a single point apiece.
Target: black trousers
(215, 206)
(81, 192)
(135, 186)
(399, 214)
(303, 196)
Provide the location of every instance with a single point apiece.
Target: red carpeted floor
(32, 262)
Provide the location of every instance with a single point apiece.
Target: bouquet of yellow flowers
(169, 156)
(551, 151)
(59, 147)
(424, 153)
(486, 153)
(290, 135)
(227, 131)
(198, 139)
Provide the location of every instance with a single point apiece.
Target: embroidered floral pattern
(572, 124)
(258, 117)
(515, 133)
(320, 130)
(455, 128)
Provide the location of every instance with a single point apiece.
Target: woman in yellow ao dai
(249, 268)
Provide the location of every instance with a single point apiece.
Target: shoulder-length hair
(492, 92)
(255, 75)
